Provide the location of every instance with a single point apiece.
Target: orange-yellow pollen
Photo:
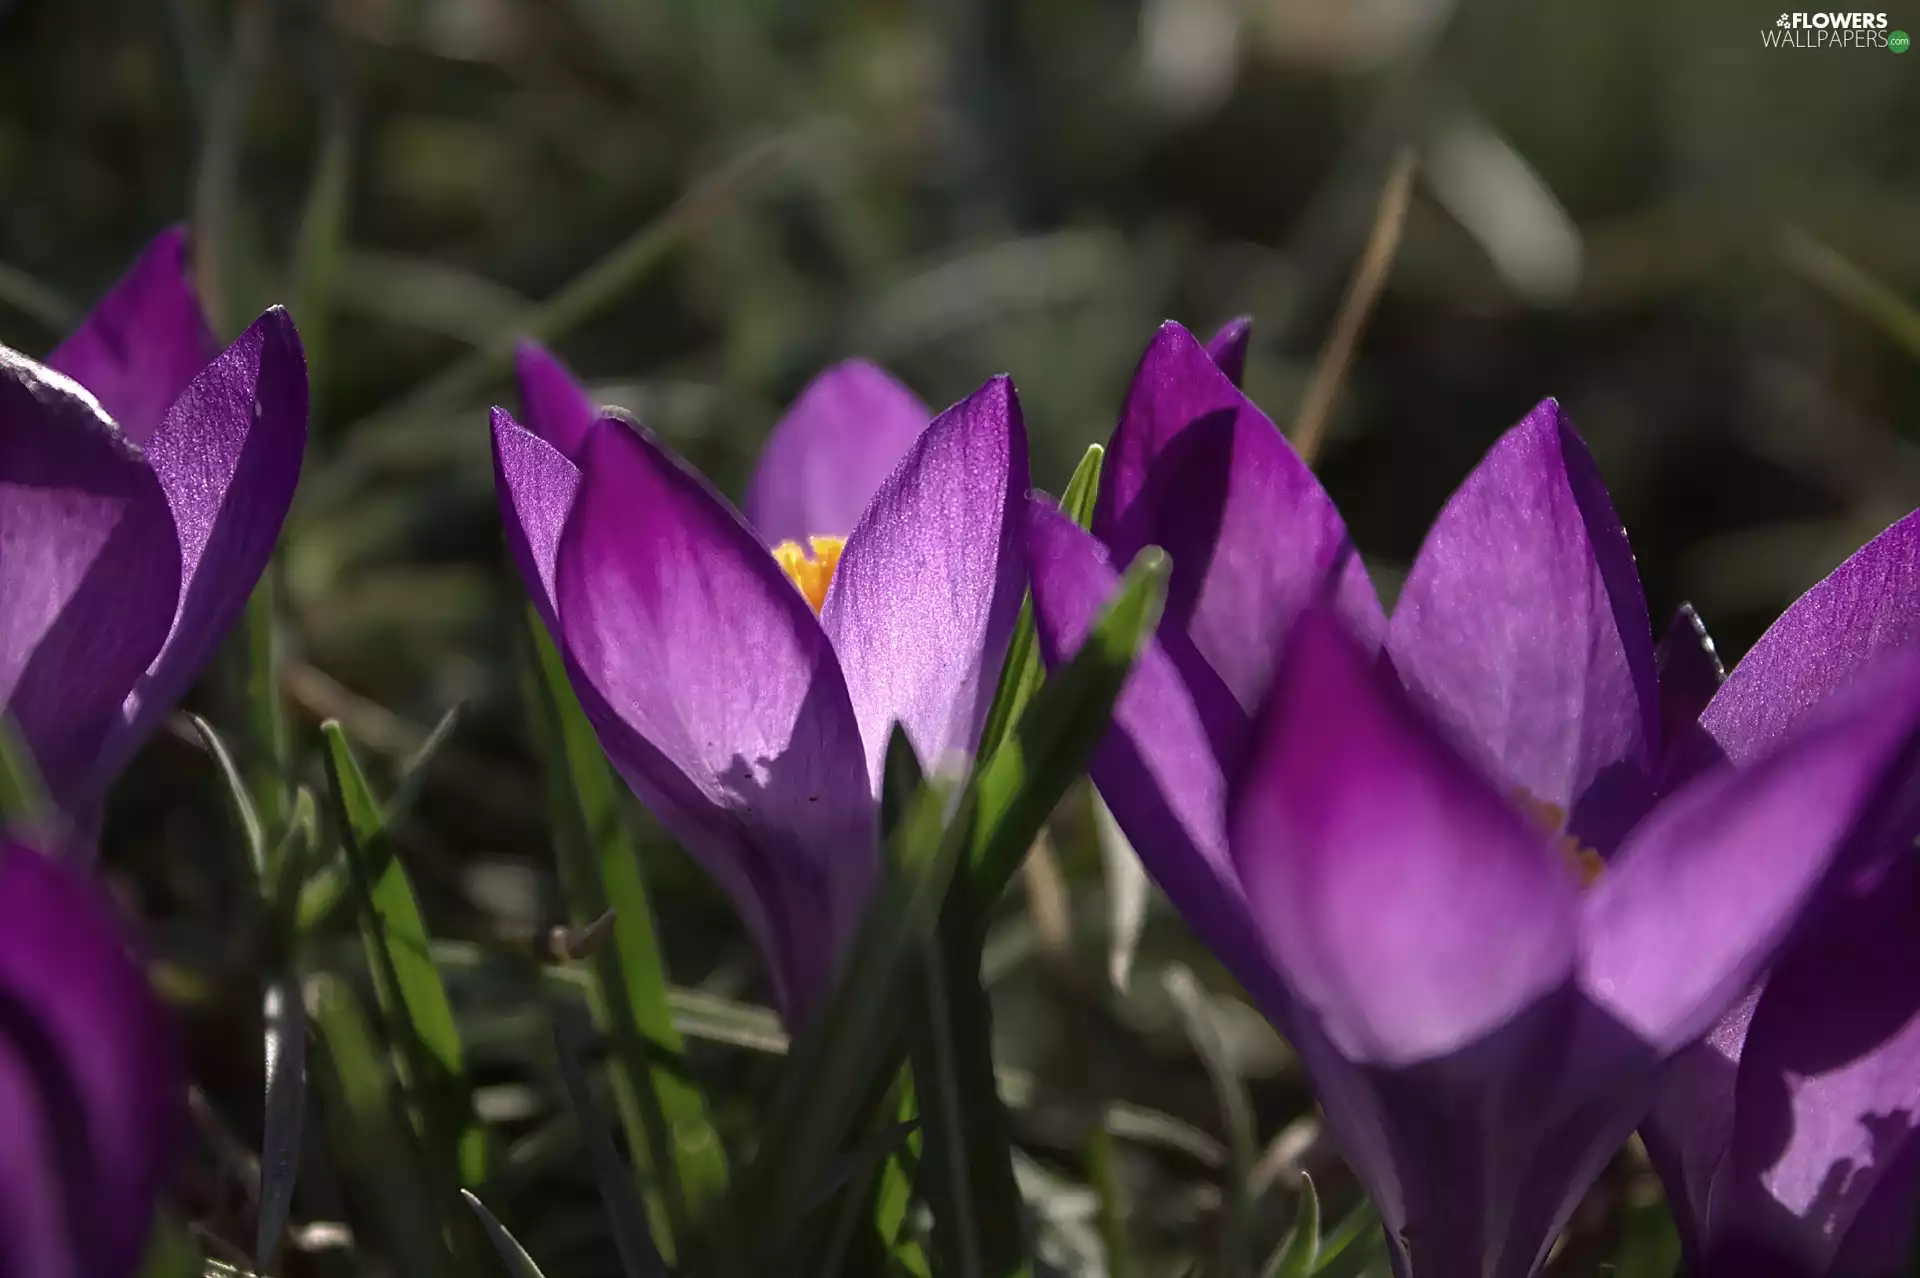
(1551, 817)
(811, 574)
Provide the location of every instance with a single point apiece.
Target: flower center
(811, 574)
(1585, 863)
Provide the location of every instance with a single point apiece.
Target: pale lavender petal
(1254, 538)
(1829, 1091)
(89, 568)
(1523, 626)
(929, 586)
(558, 408)
(535, 484)
(1868, 606)
(729, 703)
(1407, 901)
(228, 456)
(829, 455)
(144, 341)
(1228, 347)
(1157, 769)
(1713, 880)
(89, 1079)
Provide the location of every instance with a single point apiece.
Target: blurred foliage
(1699, 245)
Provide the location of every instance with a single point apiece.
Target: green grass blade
(24, 804)
(639, 1258)
(1236, 1113)
(1299, 1255)
(512, 1254)
(269, 752)
(1022, 672)
(245, 815)
(412, 996)
(664, 1114)
(285, 1109)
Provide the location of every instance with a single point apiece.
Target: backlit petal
(557, 407)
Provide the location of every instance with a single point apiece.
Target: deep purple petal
(144, 341)
(1228, 347)
(831, 452)
(89, 568)
(1157, 768)
(535, 484)
(729, 701)
(1405, 898)
(89, 1079)
(1690, 673)
(1829, 1090)
(1196, 469)
(1689, 1129)
(558, 408)
(228, 456)
(1523, 626)
(929, 586)
(1710, 883)
(1868, 606)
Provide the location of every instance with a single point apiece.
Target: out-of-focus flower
(89, 1079)
(745, 688)
(1787, 1138)
(144, 476)
(1430, 848)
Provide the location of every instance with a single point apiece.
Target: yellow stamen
(811, 575)
(1585, 863)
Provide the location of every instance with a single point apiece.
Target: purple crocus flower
(744, 688)
(1787, 1138)
(89, 1079)
(1430, 847)
(144, 476)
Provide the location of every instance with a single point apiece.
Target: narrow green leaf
(1022, 672)
(1358, 1225)
(518, 1262)
(292, 860)
(1019, 785)
(413, 773)
(412, 997)
(662, 1110)
(893, 1197)
(639, 1258)
(1299, 1255)
(24, 804)
(245, 815)
(318, 249)
(269, 751)
(285, 1108)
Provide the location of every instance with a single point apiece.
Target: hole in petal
(811, 574)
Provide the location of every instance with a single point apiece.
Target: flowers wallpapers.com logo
(1827, 30)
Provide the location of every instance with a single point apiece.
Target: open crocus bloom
(743, 688)
(1787, 1138)
(144, 476)
(1394, 832)
(89, 1080)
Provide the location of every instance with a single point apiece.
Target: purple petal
(831, 452)
(1690, 673)
(1868, 606)
(1406, 900)
(929, 586)
(1157, 769)
(88, 1079)
(1708, 885)
(144, 341)
(1522, 625)
(1829, 1090)
(535, 484)
(718, 696)
(1228, 347)
(228, 456)
(1689, 1129)
(89, 568)
(558, 408)
(1253, 536)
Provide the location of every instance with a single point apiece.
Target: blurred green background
(1699, 245)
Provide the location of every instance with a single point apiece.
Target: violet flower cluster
(144, 476)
